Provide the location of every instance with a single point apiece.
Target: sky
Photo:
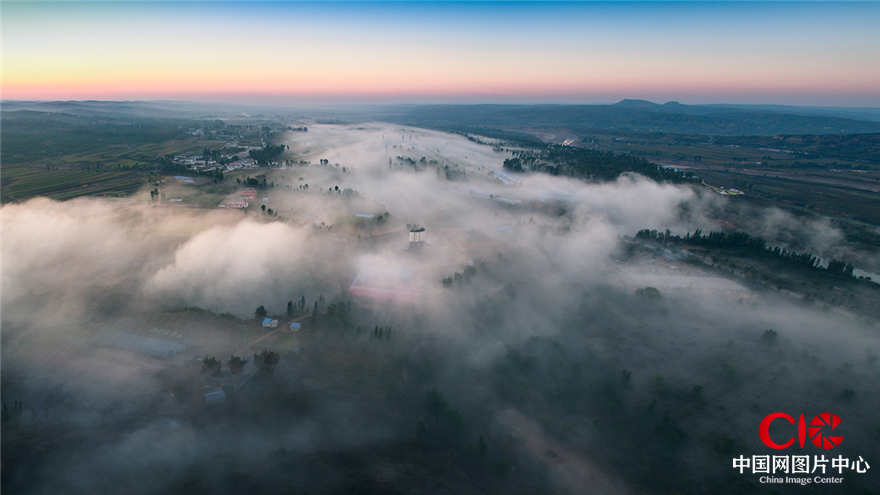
(735, 52)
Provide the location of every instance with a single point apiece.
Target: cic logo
(818, 431)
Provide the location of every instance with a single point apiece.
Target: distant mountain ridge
(646, 116)
(855, 113)
(629, 114)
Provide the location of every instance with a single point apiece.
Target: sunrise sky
(802, 53)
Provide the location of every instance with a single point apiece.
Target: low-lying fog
(546, 266)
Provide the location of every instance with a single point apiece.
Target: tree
(260, 312)
(267, 154)
(266, 360)
(769, 336)
(513, 164)
(211, 365)
(626, 377)
(648, 293)
(840, 268)
(236, 364)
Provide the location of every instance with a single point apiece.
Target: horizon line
(610, 101)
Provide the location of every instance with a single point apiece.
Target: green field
(64, 156)
(850, 151)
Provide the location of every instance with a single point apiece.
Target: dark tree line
(165, 165)
(458, 279)
(267, 154)
(754, 246)
(266, 360)
(589, 164)
(258, 182)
